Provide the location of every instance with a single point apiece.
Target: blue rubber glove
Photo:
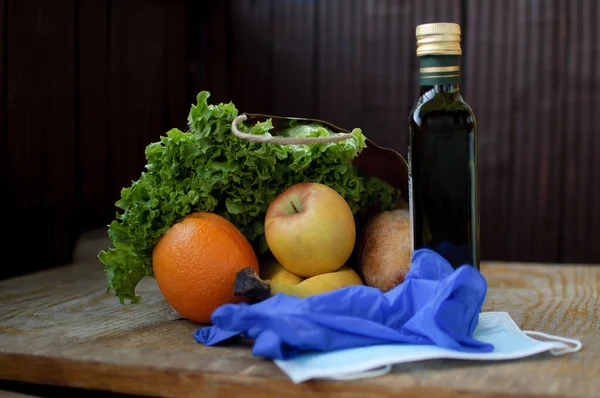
(434, 305)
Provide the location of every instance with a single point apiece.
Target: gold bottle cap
(438, 39)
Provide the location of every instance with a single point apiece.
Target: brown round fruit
(384, 249)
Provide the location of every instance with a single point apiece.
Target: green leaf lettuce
(209, 169)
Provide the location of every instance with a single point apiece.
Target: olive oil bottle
(442, 152)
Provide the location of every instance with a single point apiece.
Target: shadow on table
(46, 391)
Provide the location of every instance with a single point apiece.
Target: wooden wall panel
(581, 163)
(209, 50)
(546, 143)
(252, 25)
(88, 84)
(4, 199)
(174, 104)
(40, 131)
(384, 102)
(293, 56)
(486, 60)
(131, 69)
(511, 71)
(594, 184)
(96, 196)
(339, 62)
(546, 140)
(138, 84)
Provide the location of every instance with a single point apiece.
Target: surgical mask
(496, 328)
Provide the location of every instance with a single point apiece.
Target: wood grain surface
(61, 327)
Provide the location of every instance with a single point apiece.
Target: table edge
(94, 375)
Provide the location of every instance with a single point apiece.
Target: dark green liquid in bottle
(442, 158)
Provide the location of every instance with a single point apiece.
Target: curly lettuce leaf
(209, 169)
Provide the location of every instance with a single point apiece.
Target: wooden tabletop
(61, 327)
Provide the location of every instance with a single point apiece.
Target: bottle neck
(440, 73)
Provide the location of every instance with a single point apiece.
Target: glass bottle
(442, 152)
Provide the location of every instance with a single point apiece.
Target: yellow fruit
(249, 285)
(272, 270)
(343, 277)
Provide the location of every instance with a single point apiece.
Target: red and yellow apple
(310, 229)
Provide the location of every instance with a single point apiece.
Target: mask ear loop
(571, 345)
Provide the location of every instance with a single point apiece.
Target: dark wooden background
(87, 84)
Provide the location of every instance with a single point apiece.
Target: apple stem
(294, 207)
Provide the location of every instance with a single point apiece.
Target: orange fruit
(195, 263)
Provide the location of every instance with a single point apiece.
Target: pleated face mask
(495, 328)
